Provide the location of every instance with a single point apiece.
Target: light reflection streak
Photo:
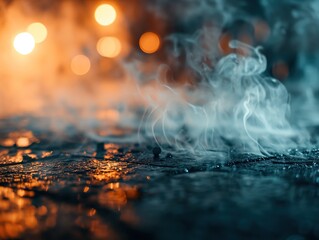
(116, 195)
(33, 197)
(17, 214)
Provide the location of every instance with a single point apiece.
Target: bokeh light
(105, 14)
(280, 70)
(24, 43)
(38, 31)
(109, 47)
(80, 65)
(23, 142)
(262, 30)
(149, 42)
(224, 44)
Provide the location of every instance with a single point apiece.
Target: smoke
(208, 89)
(234, 105)
(241, 109)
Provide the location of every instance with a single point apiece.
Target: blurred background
(78, 57)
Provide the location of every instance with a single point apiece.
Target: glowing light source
(224, 43)
(105, 14)
(80, 65)
(109, 47)
(280, 70)
(38, 31)
(24, 43)
(149, 42)
(23, 142)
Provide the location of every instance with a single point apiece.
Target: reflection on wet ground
(54, 190)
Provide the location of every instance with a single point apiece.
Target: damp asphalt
(68, 190)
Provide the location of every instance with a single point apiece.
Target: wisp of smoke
(226, 102)
(243, 110)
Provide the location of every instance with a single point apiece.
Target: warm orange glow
(118, 195)
(7, 143)
(17, 214)
(24, 43)
(280, 70)
(23, 142)
(86, 189)
(92, 212)
(109, 47)
(109, 115)
(38, 31)
(149, 42)
(224, 43)
(105, 14)
(42, 210)
(80, 65)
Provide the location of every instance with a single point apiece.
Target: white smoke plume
(239, 109)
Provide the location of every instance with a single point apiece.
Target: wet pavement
(68, 190)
